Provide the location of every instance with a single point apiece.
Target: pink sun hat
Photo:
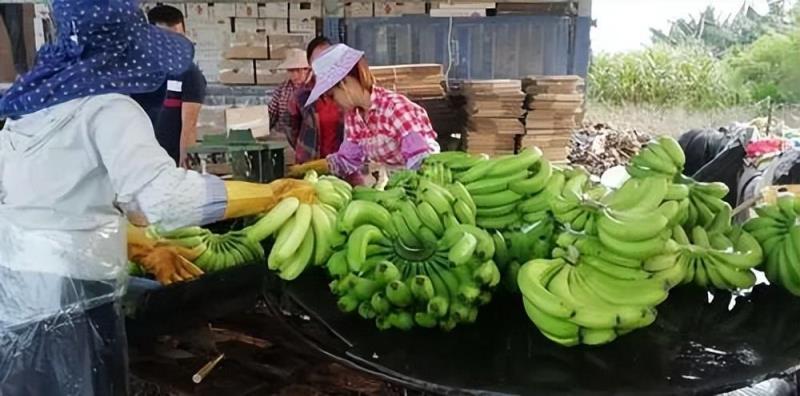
(331, 67)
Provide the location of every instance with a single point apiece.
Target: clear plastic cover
(61, 327)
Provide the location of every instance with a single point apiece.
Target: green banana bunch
(228, 250)
(633, 234)
(706, 204)
(777, 230)
(578, 303)
(662, 157)
(578, 203)
(718, 260)
(421, 262)
(208, 251)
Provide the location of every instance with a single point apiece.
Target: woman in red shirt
(381, 126)
(316, 131)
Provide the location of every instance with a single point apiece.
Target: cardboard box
(254, 118)
(267, 72)
(222, 10)
(245, 25)
(248, 45)
(394, 8)
(211, 38)
(198, 12)
(457, 13)
(305, 9)
(273, 25)
(237, 72)
(359, 10)
(211, 121)
(273, 10)
(333, 9)
(246, 10)
(180, 6)
(280, 43)
(303, 25)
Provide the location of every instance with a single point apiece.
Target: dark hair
(316, 42)
(166, 15)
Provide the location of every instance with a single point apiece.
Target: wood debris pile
(600, 147)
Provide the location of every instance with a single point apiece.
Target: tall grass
(662, 75)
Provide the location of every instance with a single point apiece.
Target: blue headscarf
(103, 46)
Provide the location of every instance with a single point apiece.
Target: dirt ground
(261, 358)
(659, 121)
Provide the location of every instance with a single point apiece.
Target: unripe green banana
(386, 272)
(301, 225)
(365, 310)
(497, 199)
(438, 306)
(460, 192)
(430, 218)
(399, 294)
(463, 213)
(495, 184)
(535, 184)
(337, 264)
(380, 304)
(425, 320)
(360, 212)
(422, 288)
(477, 172)
(463, 251)
(499, 222)
(360, 239)
(347, 303)
(401, 320)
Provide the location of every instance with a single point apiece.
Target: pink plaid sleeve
(418, 139)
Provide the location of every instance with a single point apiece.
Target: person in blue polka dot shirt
(78, 158)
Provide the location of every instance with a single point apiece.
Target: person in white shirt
(76, 156)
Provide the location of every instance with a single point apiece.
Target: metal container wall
(482, 48)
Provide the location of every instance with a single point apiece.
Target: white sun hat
(331, 67)
(295, 59)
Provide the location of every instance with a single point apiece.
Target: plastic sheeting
(61, 327)
(701, 344)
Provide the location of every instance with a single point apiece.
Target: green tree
(720, 35)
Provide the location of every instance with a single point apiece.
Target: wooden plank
(558, 97)
(554, 105)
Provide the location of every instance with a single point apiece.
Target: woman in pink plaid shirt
(381, 127)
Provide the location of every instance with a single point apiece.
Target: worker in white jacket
(76, 155)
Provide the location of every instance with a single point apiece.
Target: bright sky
(624, 25)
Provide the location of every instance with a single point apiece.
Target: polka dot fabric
(102, 47)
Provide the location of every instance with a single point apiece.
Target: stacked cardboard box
(418, 81)
(452, 9)
(555, 109)
(495, 108)
(424, 84)
(240, 43)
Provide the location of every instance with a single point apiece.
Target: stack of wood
(555, 109)
(421, 81)
(600, 147)
(424, 84)
(495, 109)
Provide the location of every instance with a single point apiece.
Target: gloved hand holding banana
(171, 263)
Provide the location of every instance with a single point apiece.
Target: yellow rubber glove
(164, 262)
(300, 170)
(247, 199)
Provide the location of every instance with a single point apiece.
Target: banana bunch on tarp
(303, 232)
